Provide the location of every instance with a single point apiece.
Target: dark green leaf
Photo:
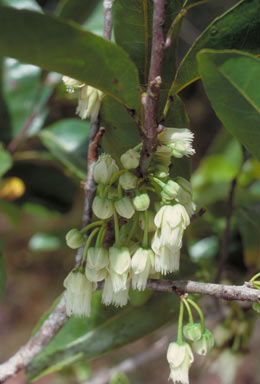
(77, 10)
(238, 28)
(56, 45)
(232, 81)
(67, 140)
(5, 161)
(11, 211)
(248, 219)
(106, 329)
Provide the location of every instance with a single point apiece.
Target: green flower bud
(124, 207)
(204, 344)
(130, 159)
(256, 307)
(102, 208)
(74, 238)
(161, 171)
(128, 181)
(104, 169)
(141, 202)
(170, 190)
(151, 225)
(192, 332)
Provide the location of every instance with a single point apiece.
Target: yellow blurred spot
(11, 188)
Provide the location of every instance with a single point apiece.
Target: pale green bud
(193, 331)
(204, 344)
(130, 159)
(124, 207)
(104, 169)
(74, 238)
(141, 202)
(102, 207)
(170, 190)
(128, 181)
(256, 307)
(97, 258)
(151, 225)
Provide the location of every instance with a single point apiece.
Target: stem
(100, 236)
(180, 324)
(133, 229)
(90, 238)
(189, 311)
(158, 181)
(91, 225)
(202, 320)
(146, 227)
(117, 232)
(146, 39)
(119, 190)
(137, 147)
(116, 176)
(255, 277)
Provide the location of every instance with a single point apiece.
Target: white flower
(89, 102)
(226, 366)
(119, 264)
(142, 261)
(179, 357)
(78, 294)
(162, 155)
(97, 261)
(130, 159)
(167, 259)
(109, 296)
(102, 207)
(204, 344)
(124, 207)
(104, 169)
(94, 275)
(179, 140)
(71, 84)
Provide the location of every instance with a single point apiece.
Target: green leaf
(5, 161)
(232, 80)
(107, 328)
(77, 10)
(2, 271)
(248, 220)
(22, 4)
(60, 46)
(238, 28)
(67, 140)
(11, 211)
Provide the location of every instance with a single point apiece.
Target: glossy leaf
(56, 45)
(232, 80)
(67, 140)
(77, 10)
(107, 329)
(238, 28)
(248, 220)
(5, 161)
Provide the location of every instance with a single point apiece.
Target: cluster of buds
(149, 215)
(180, 353)
(89, 98)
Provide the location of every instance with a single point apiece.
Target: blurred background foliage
(42, 162)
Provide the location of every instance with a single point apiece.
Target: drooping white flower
(142, 261)
(78, 294)
(97, 261)
(119, 265)
(179, 357)
(71, 84)
(89, 102)
(130, 159)
(166, 259)
(109, 296)
(104, 169)
(178, 140)
(102, 207)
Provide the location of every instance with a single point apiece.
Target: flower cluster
(89, 98)
(149, 215)
(180, 353)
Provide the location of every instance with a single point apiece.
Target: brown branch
(154, 82)
(108, 21)
(224, 240)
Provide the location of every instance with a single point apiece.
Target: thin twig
(154, 83)
(224, 241)
(131, 364)
(108, 21)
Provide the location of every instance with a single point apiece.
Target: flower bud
(97, 258)
(161, 171)
(128, 181)
(141, 263)
(151, 225)
(104, 169)
(102, 208)
(124, 207)
(256, 307)
(130, 159)
(192, 331)
(74, 238)
(170, 190)
(141, 202)
(204, 344)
